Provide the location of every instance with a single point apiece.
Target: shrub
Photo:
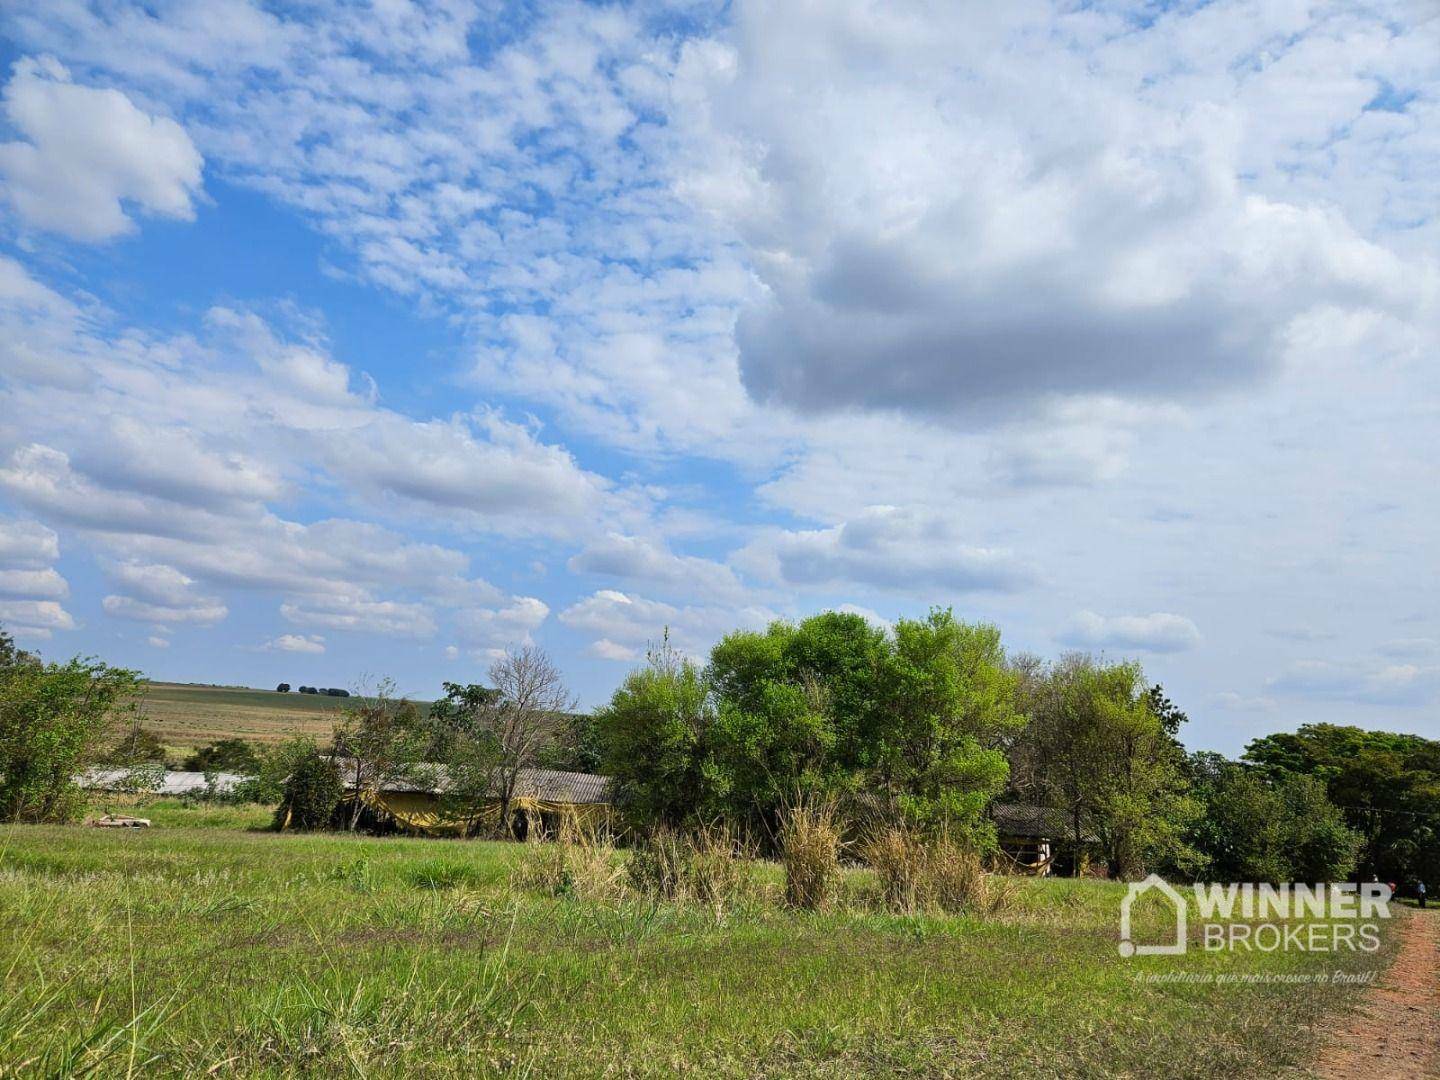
(137, 746)
(227, 755)
(810, 852)
(311, 792)
(144, 778)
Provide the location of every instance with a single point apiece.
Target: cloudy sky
(373, 340)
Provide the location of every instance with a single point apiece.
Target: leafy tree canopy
(227, 755)
(53, 717)
(1386, 785)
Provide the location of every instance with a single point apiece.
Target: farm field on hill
(183, 950)
(185, 716)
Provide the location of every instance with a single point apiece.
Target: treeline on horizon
(925, 725)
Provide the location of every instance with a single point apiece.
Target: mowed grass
(187, 716)
(185, 950)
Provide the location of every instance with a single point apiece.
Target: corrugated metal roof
(1025, 819)
(175, 782)
(552, 785)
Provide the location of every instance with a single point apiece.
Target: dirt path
(1396, 1030)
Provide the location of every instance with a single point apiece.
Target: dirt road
(1396, 1030)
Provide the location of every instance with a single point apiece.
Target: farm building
(173, 782)
(1039, 839)
(543, 799)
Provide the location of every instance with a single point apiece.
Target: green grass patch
(176, 951)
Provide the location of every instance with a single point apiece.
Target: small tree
(382, 740)
(529, 707)
(311, 791)
(52, 718)
(276, 763)
(458, 738)
(1106, 758)
(654, 736)
(283, 688)
(950, 703)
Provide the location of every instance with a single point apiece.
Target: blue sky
(376, 340)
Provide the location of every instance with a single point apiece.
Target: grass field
(185, 716)
(186, 949)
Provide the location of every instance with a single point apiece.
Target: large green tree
(948, 703)
(1386, 785)
(655, 737)
(830, 705)
(1259, 827)
(1102, 754)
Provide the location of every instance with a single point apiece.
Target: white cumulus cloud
(297, 643)
(887, 548)
(1158, 632)
(87, 152)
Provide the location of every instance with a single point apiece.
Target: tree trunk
(1075, 864)
(357, 804)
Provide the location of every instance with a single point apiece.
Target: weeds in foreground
(657, 864)
(438, 874)
(257, 954)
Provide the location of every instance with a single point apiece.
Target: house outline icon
(1138, 889)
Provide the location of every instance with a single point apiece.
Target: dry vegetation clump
(657, 864)
(898, 859)
(575, 863)
(707, 865)
(717, 866)
(918, 873)
(810, 853)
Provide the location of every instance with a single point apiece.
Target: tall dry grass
(918, 873)
(656, 866)
(898, 859)
(717, 866)
(707, 865)
(810, 853)
(575, 863)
